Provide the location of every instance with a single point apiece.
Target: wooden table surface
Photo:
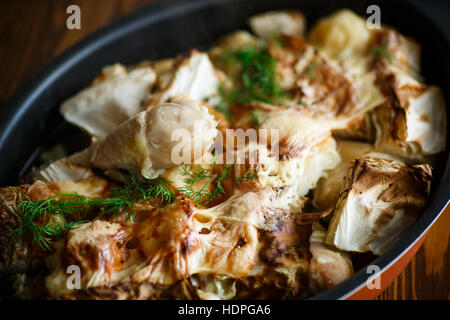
(34, 32)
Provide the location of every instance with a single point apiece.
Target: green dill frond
(219, 190)
(383, 53)
(157, 190)
(203, 196)
(199, 197)
(224, 106)
(48, 220)
(311, 70)
(257, 77)
(256, 118)
(249, 175)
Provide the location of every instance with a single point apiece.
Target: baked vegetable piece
(145, 144)
(329, 186)
(381, 198)
(412, 124)
(166, 246)
(329, 266)
(411, 120)
(274, 23)
(116, 95)
(193, 77)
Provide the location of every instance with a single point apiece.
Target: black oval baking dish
(30, 118)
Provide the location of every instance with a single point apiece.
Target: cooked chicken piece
(413, 122)
(381, 198)
(329, 266)
(270, 24)
(114, 97)
(194, 78)
(162, 137)
(329, 186)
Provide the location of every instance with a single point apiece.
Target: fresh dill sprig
(157, 190)
(256, 118)
(257, 77)
(383, 53)
(224, 106)
(47, 220)
(160, 190)
(311, 70)
(249, 175)
(203, 196)
(220, 177)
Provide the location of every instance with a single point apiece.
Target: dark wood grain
(33, 32)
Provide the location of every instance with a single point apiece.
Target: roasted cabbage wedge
(380, 199)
